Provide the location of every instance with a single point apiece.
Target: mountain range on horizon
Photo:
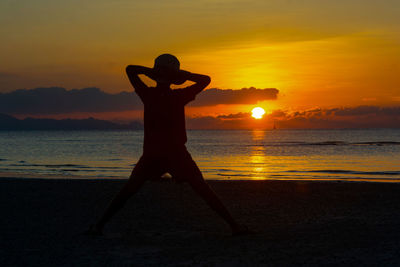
(8, 122)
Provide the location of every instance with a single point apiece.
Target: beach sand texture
(296, 223)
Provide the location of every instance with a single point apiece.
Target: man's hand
(133, 72)
(137, 70)
(200, 79)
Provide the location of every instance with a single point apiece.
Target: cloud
(344, 117)
(57, 100)
(367, 110)
(239, 115)
(318, 118)
(212, 97)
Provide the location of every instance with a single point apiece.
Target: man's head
(167, 68)
(167, 61)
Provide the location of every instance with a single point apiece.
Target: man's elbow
(206, 80)
(129, 69)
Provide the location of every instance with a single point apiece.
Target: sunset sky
(320, 55)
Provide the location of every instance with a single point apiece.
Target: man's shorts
(181, 166)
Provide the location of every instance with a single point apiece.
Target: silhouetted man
(164, 147)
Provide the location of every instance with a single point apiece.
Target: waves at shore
(359, 155)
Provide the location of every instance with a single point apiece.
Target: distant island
(8, 122)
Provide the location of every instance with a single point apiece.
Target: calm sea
(367, 155)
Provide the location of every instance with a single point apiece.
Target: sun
(257, 113)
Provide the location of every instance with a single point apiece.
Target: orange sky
(317, 53)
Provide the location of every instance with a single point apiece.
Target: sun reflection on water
(257, 154)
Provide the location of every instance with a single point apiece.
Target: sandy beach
(295, 223)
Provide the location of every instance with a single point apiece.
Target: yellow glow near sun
(257, 113)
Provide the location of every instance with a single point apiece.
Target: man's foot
(241, 229)
(93, 231)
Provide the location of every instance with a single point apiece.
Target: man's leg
(131, 187)
(134, 183)
(204, 191)
(193, 176)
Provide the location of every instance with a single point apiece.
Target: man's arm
(189, 93)
(200, 81)
(133, 72)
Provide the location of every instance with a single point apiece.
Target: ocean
(350, 155)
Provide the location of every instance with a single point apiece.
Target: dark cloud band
(56, 100)
(250, 95)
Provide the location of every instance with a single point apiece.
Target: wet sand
(296, 223)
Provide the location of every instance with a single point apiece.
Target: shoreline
(16, 175)
(295, 222)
